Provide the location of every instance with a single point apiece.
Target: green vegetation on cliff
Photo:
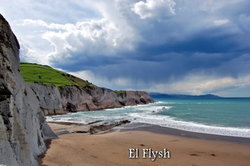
(121, 93)
(43, 74)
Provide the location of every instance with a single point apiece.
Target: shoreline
(201, 128)
(111, 148)
(188, 134)
(165, 130)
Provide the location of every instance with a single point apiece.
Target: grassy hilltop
(43, 74)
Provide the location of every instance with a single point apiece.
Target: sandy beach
(111, 148)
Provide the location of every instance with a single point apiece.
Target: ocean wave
(155, 109)
(166, 121)
(150, 114)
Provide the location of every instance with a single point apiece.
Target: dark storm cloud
(213, 50)
(181, 44)
(146, 43)
(86, 62)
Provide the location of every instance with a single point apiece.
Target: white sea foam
(149, 114)
(154, 109)
(166, 121)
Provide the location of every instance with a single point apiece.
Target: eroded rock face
(62, 100)
(23, 128)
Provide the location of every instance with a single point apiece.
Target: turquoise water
(214, 116)
(215, 112)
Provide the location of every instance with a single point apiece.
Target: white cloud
(91, 34)
(154, 8)
(69, 29)
(221, 22)
(191, 84)
(93, 37)
(41, 23)
(32, 53)
(200, 84)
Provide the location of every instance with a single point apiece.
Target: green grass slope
(35, 73)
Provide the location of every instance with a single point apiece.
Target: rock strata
(105, 127)
(23, 128)
(61, 100)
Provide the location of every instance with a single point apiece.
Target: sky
(167, 46)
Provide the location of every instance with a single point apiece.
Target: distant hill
(181, 96)
(43, 74)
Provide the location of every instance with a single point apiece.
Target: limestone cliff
(23, 128)
(60, 100)
(59, 92)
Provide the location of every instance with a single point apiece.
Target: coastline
(188, 134)
(111, 148)
(70, 126)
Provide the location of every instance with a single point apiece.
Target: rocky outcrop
(99, 126)
(49, 98)
(66, 99)
(105, 127)
(23, 128)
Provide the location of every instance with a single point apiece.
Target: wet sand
(111, 148)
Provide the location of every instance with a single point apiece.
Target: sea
(219, 116)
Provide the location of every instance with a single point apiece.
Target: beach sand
(111, 148)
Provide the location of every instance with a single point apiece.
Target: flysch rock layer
(23, 128)
(60, 100)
